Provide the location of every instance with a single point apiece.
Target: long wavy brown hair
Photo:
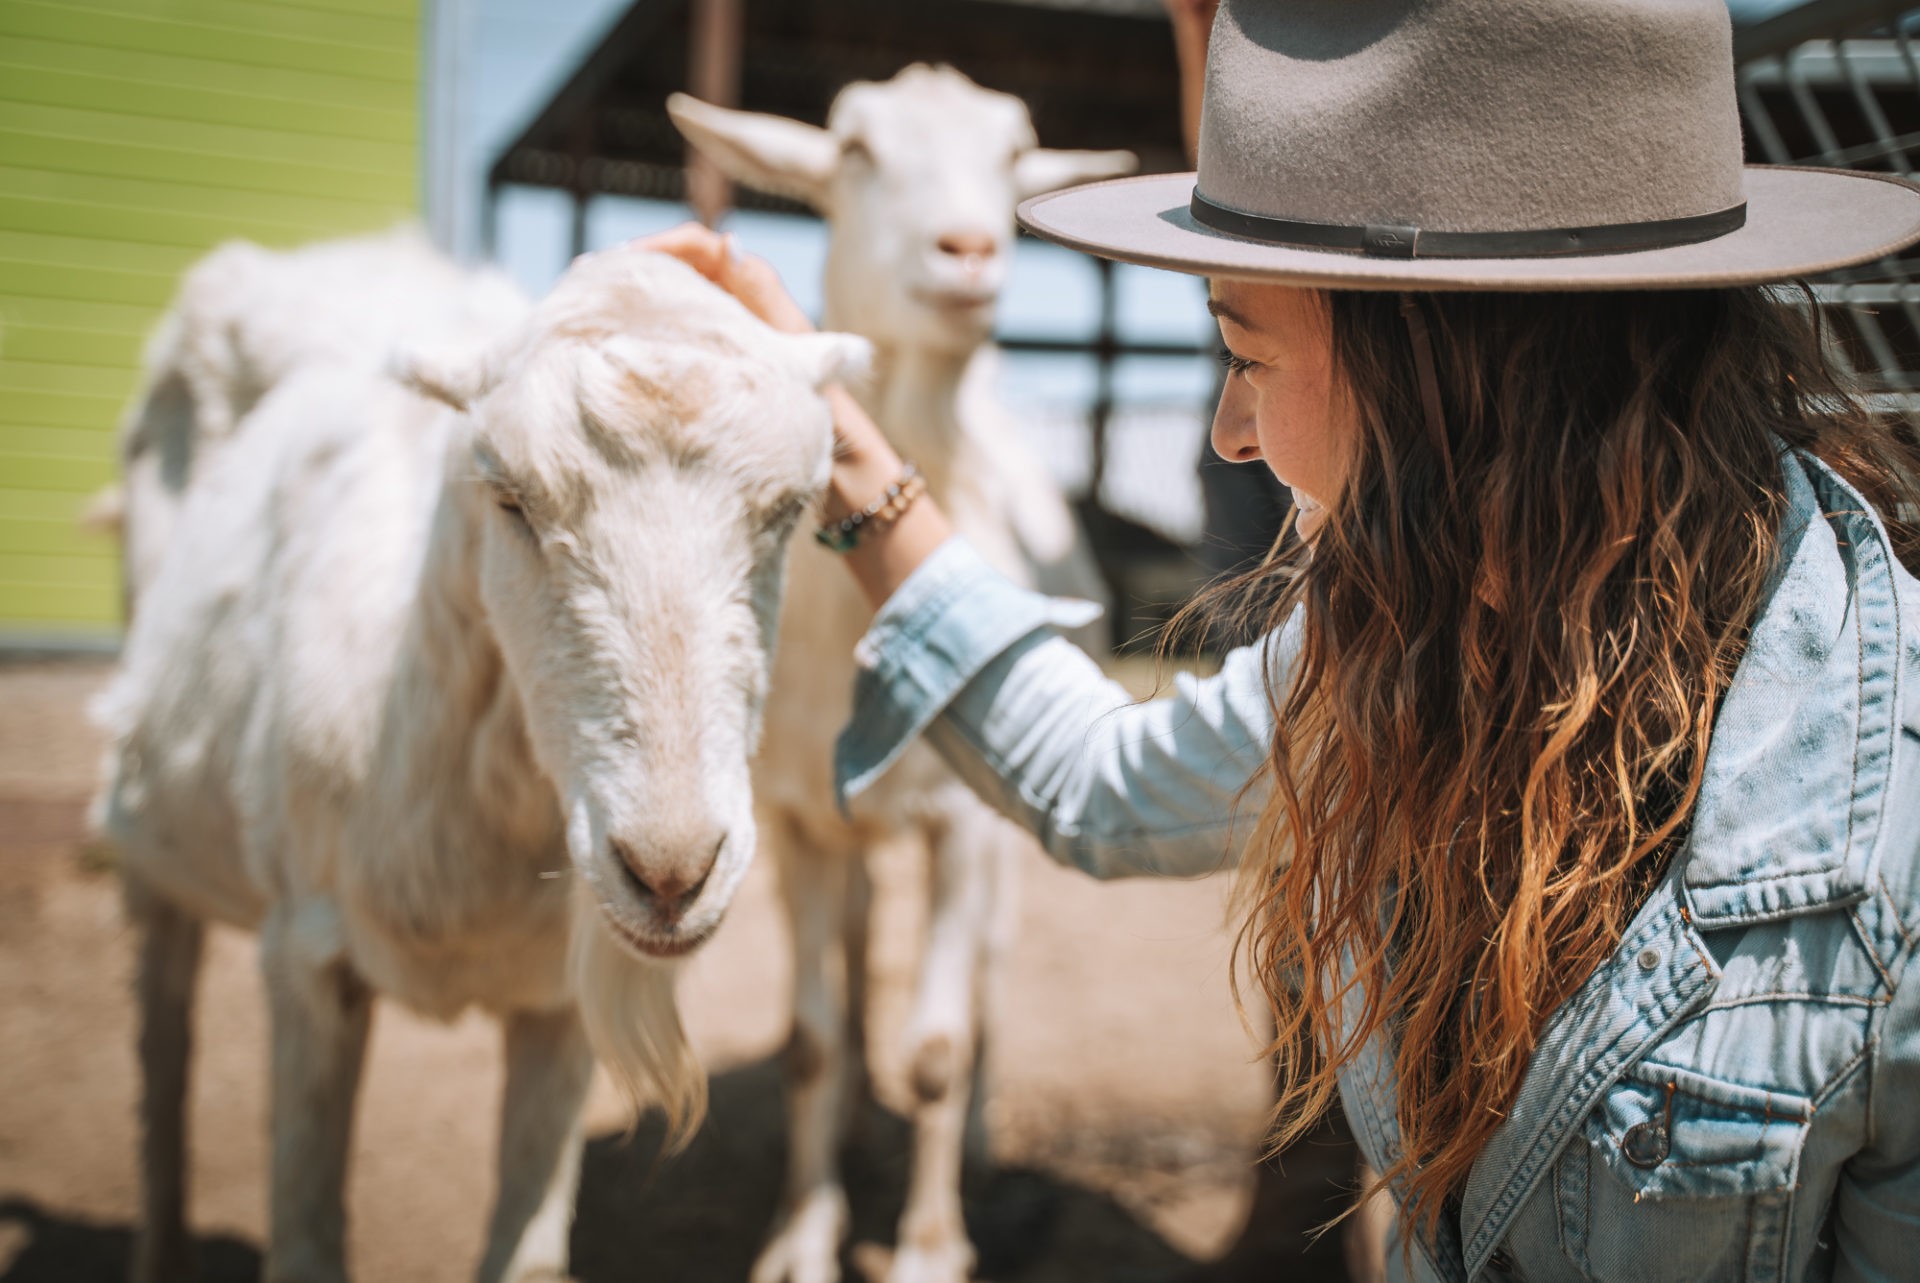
(1514, 636)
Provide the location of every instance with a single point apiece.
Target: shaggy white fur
(450, 691)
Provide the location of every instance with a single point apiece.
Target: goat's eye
(509, 503)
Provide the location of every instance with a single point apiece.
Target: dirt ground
(1126, 1095)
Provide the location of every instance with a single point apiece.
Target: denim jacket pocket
(1678, 1176)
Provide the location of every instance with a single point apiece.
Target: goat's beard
(627, 1005)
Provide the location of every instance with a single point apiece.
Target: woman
(1579, 770)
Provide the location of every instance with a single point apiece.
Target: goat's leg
(170, 941)
(321, 1012)
(856, 933)
(549, 1066)
(946, 1035)
(805, 1245)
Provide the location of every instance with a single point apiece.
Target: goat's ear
(831, 358)
(1043, 169)
(770, 153)
(456, 379)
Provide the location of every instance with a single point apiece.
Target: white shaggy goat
(243, 318)
(918, 178)
(454, 703)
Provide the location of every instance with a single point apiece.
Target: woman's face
(1280, 405)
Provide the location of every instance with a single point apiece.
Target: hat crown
(1471, 115)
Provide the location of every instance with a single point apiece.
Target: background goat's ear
(770, 153)
(456, 379)
(1044, 169)
(831, 358)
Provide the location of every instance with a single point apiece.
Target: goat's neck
(915, 398)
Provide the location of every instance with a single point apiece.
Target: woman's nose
(1235, 437)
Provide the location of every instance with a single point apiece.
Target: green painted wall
(135, 135)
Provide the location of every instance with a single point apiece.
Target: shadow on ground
(36, 1247)
(699, 1216)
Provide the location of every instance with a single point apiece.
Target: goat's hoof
(805, 1247)
(948, 1262)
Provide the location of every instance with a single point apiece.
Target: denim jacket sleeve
(1114, 786)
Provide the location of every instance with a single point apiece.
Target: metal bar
(1760, 121)
(713, 64)
(1105, 353)
(1816, 119)
(1814, 21)
(1870, 108)
(490, 222)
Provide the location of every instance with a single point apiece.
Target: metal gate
(1837, 83)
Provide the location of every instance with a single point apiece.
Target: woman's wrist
(864, 462)
(865, 467)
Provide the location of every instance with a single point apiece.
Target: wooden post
(713, 67)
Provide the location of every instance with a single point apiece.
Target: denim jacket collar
(1786, 822)
(1802, 751)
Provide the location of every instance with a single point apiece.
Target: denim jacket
(1735, 1093)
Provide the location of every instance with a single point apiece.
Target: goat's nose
(974, 245)
(669, 884)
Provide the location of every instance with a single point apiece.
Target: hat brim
(1800, 222)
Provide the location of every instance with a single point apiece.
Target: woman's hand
(748, 278)
(864, 461)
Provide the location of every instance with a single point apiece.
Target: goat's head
(919, 177)
(639, 457)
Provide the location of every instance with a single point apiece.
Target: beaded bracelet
(845, 535)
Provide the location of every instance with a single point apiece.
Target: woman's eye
(1235, 364)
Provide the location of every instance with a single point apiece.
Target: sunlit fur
(1514, 642)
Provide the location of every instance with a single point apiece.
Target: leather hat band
(1413, 242)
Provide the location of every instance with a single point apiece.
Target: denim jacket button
(1645, 1144)
(1649, 958)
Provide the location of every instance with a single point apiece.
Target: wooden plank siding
(135, 135)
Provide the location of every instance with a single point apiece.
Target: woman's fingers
(750, 279)
(701, 248)
(753, 281)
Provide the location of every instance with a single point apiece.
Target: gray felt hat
(1480, 144)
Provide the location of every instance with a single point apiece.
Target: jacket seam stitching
(1825, 999)
(1873, 955)
(1893, 910)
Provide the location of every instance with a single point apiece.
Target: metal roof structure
(1095, 73)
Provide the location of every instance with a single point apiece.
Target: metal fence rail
(1837, 83)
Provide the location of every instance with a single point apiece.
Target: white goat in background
(243, 318)
(918, 178)
(455, 703)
